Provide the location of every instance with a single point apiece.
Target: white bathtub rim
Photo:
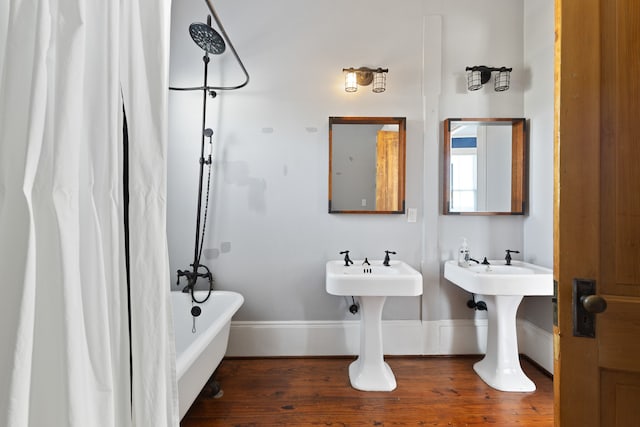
(191, 353)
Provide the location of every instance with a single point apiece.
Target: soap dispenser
(463, 254)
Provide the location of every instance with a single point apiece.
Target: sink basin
(520, 278)
(399, 279)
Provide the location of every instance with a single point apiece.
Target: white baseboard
(536, 343)
(400, 337)
(319, 338)
(461, 336)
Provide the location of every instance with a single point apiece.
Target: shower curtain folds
(68, 359)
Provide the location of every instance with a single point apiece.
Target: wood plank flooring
(432, 391)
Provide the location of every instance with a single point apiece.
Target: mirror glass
(484, 166)
(367, 164)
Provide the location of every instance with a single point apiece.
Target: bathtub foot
(216, 390)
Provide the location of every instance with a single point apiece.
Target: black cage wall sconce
(478, 75)
(364, 76)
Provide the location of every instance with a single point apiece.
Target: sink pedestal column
(500, 367)
(370, 372)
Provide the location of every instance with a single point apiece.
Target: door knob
(594, 304)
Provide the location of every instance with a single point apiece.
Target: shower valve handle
(179, 274)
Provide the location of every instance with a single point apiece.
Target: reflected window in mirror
(484, 166)
(367, 165)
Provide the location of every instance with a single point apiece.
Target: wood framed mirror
(485, 166)
(367, 165)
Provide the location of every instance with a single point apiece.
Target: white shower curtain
(74, 349)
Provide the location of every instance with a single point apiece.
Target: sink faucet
(347, 260)
(366, 269)
(508, 257)
(386, 257)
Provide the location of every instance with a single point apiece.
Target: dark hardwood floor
(432, 391)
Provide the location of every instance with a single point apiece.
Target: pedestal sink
(502, 288)
(372, 284)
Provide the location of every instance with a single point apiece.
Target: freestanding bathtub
(199, 353)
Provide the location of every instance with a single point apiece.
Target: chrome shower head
(207, 38)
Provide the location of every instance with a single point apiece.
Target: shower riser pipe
(196, 252)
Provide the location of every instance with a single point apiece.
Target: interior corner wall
(473, 34)
(539, 36)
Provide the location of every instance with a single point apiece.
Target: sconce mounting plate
(364, 78)
(485, 75)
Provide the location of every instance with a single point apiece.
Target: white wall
(269, 231)
(538, 102)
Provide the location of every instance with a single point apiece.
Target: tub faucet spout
(192, 277)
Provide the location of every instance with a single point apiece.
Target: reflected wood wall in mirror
(485, 166)
(367, 165)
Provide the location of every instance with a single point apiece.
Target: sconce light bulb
(350, 82)
(379, 82)
(474, 80)
(502, 81)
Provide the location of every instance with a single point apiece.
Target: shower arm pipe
(235, 54)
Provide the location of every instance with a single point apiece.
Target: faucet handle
(347, 260)
(386, 257)
(508, 256)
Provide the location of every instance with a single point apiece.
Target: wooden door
(597, 209)
(387, 171)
